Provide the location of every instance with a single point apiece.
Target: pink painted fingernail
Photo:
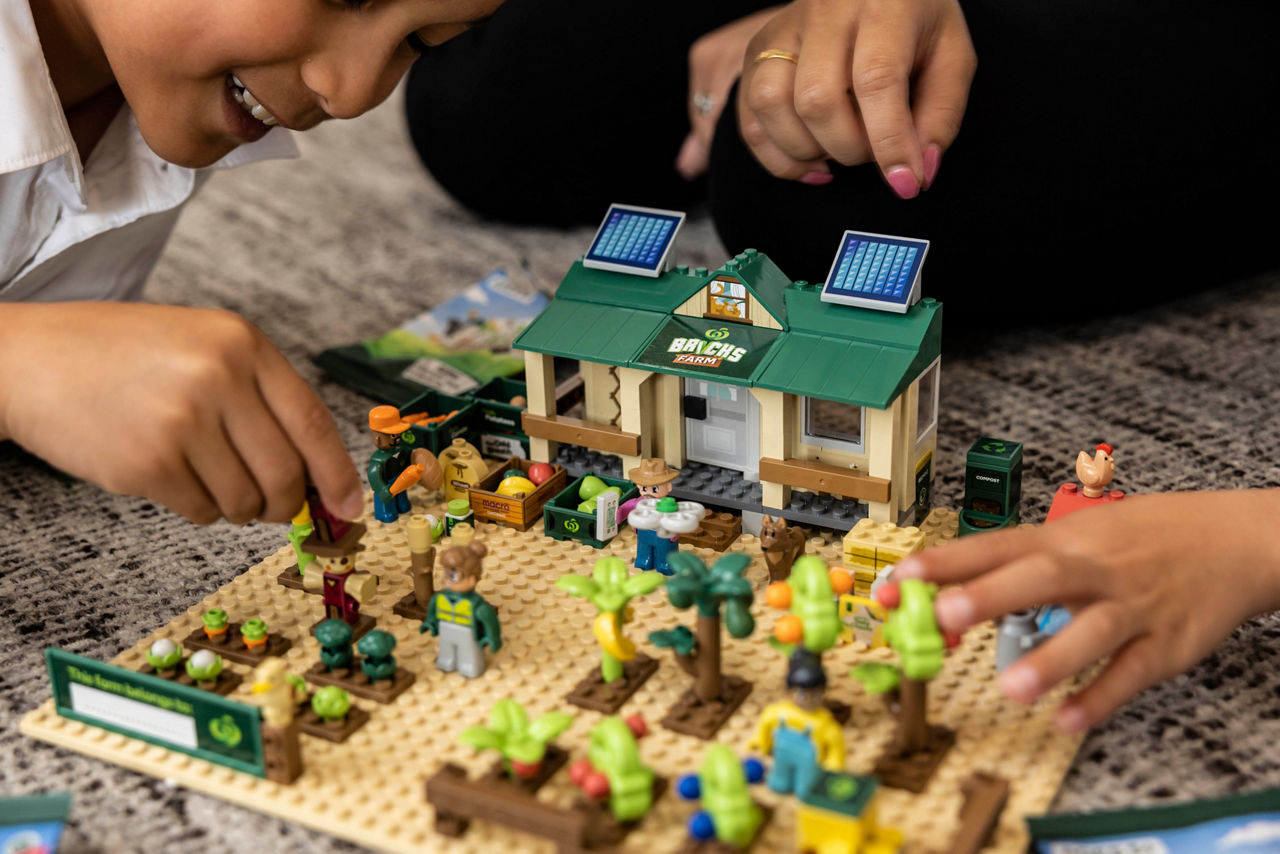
(902, 182)
(954, 610)
(1020, 683)
(932, 162)
(817, 179)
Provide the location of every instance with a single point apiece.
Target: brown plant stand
(691, 716)
(912, 771)
(357, 682)
(607, 697)
(231, 645)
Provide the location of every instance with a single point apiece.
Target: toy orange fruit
(789, 629)
(778, 595)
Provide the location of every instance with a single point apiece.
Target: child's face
(303, 61)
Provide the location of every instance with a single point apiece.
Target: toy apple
(540, 473)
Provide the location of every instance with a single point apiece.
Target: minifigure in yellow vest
(463, 620)
(800, 733)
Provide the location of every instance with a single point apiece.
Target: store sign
(708, 346)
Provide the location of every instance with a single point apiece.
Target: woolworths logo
(709, 353)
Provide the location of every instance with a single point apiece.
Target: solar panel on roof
(634, 240)
(876, 271)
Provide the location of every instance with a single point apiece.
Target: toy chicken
(1095, 473)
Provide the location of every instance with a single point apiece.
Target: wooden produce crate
(563, 519)
(518, 513)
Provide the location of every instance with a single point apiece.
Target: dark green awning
(708, 349)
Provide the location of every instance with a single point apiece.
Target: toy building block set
(640, 643)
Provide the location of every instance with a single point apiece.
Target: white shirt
(82, 232)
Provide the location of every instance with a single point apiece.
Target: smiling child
(114, 114)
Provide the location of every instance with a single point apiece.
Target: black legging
(1113, 152)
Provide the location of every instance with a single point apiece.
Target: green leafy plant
(331, 703)
(334, 637)
(376, 647)
(521, 743)
(610, 588)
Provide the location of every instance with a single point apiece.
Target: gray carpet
(352, 239)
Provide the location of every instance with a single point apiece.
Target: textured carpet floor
(348, 241)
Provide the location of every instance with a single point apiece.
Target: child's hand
(882, 80)
(1154, 581)
(193, 408)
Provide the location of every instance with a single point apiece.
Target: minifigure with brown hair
(459, 616)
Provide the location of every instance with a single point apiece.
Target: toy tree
(521, 743)
(911, 630)
(810, 594)
(610, 588)
(715, 591)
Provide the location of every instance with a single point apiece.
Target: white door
(722, 426)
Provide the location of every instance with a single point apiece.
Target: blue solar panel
(876, 271)
(634, 240)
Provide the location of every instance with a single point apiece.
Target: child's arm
(193, 408)
(1154, 581)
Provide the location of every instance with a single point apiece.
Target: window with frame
(927, 402)
(833, 425)
(727, 298)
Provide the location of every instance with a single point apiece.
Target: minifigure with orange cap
(397, 464)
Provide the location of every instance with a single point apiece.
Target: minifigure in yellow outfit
(800, 733)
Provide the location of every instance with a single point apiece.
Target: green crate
(438, 436)
(497, 422)
(563, 520)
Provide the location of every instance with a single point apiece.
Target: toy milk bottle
(458, 510)
(461, 472)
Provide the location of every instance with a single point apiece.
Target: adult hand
(193, 408)
(1154, 582)
(855, 81)
(715, 61)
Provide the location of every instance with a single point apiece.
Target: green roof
(597, 333)
(834, 352)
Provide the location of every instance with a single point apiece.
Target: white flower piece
(683, 520)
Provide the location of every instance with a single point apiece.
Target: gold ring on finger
(777, 53)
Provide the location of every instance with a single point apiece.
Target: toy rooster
(1095, 473)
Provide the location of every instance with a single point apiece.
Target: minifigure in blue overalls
(657, 518)
(800, 733)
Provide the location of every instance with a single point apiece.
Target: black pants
(1114, 152)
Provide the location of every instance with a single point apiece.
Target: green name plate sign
(174, 716)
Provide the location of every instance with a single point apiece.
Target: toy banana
(608, 631)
